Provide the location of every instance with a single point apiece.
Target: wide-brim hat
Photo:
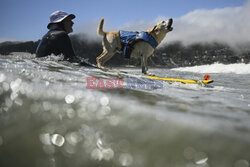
(59, 16)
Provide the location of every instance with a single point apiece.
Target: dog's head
(160, 30)
(164, 26)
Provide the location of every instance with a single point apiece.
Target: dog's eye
(163, 22)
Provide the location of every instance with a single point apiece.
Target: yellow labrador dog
(112, 44)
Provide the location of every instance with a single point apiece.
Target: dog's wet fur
(111, 44)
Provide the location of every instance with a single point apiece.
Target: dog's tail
(100, 28)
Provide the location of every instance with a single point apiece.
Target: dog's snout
(169, 25)
(170, 21)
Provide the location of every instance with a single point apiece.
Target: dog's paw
(103, 68)
(149, 74)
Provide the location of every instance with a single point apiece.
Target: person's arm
(65, 46)
(63, 43)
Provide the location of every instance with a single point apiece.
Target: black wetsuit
(57, 42)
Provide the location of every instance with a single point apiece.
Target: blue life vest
(128, 39)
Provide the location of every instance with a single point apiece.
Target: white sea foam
(218, 68)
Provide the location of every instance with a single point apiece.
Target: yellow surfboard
(204, 81)
(200, 82)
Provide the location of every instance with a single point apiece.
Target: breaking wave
(239, 68)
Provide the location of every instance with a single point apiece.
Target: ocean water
(48, 117)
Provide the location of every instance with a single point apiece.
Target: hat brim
(72, 16)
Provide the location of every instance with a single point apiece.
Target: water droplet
(2, 77)
(125, 159)
(6, 86)
(47, 106)
(13, 96)
(99, 154)
(69, 99)
(104, 101)
(96, 154)
(105, 110)
(47, 83)
(242, 96)
(73, 138)
(34, 108)
(114, 120)
(241, 163)
(108, 154)
(200, 158)
(15, 85)
(18, 102)
(57, 140)
(8, 102)
(99, 144)
(45, 138)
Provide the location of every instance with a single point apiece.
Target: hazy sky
(194, 20)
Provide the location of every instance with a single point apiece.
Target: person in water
(56, 41)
